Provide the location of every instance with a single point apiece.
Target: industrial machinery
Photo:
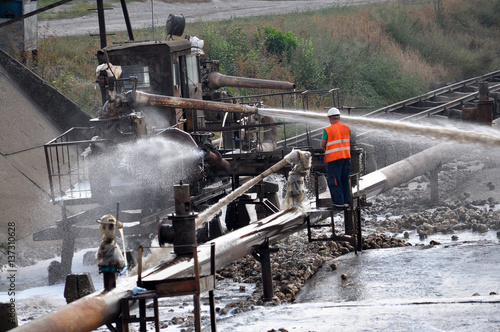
(162, 90)
(162, 109)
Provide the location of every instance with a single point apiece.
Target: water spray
(452, 134)
(124, 248)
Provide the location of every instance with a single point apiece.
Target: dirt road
(141, 14)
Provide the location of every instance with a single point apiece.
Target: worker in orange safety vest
(337, 146)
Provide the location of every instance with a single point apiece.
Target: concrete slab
(23, 175)
(27, 124)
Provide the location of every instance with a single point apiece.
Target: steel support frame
(123, 323)
(185, 286)
(263, 254)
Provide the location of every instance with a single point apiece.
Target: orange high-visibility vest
(338, 144)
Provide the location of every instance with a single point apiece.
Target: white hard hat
(333, 111)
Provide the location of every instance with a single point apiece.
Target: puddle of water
(451, 270)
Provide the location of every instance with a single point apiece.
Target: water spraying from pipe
(480, 135)
(155, 163)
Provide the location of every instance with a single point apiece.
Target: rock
(89, 258)
(8, 315)
(54, 270)
(482, 228)
(343, 276)
(77, 286)
(177, 320)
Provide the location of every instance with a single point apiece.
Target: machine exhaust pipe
(217, 80)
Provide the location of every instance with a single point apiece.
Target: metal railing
(66, 167)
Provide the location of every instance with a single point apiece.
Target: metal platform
(352, 218)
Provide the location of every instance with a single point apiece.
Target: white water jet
(480, 134)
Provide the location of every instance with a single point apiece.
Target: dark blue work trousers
(337, 175)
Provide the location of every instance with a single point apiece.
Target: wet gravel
(468, 201)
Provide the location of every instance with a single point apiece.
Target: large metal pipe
(403, 171)
(143, 98)
(101, 308)
(95, 310)
(217, 80)
(85, 314)
(241, 242)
